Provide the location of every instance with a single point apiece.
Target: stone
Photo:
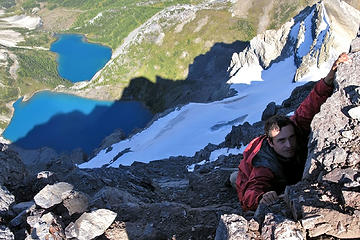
(12, 170)
(5, 233)
(233, 226)
(355, 113)
(51, 195)
(19, 207)
(110, 197)
(6, 200)
(269, 111)
(75, 202)
(352, 199)
(90, 225)
(355, 45)
(278, 227)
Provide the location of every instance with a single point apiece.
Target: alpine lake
(65, 122)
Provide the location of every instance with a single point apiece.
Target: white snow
(304, 48)
(225, 152)
(189, 129)
(23, 21)
(91, 21)
(10, 38)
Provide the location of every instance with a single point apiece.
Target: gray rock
(111, 198)
(5, 233)
(25, 208)
(234, 227)
(278, 227)
(75, 202)
(269, 111)
(52, 194)
(6, 200)
(12, 170)
(90, 225)
(19, 207)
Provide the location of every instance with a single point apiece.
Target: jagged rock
(52, 194)
(236, 227)
(278, 227)
(90, 225)
(111, 198)
(269, 111)
(6, 200)
(5, 233)
(12, 170)
(75, 202)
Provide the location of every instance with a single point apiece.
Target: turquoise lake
(65, 122)
(79, 60)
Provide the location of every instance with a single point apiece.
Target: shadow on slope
(65, 132)
(206, 82)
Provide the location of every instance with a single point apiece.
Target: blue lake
(65, 122)
(77, 59)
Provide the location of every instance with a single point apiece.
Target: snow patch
(23, 21)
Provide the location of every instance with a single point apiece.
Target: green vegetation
(37, 39)
(30, 4)
(38, 70)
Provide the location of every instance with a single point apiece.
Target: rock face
(325, 202)
(312, 38)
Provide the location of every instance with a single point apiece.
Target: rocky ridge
(313, 37)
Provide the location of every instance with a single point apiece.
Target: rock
(44, 178)
(5, 233)
(269, 111)
(19, 207)
(25, 208)
(351, 199)
(52, 194)
(48, 227)
(12, 170)
(278, 227)
(90, 225)
(111, 198)
(75, 202)
(355, 112)
(6, 200)
(232, 226)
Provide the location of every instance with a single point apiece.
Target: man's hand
(329, 79)
(269, 198)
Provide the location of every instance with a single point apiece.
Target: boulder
(12, 170)
(52, 194)
(236, 227)
(90, 225)
(6, 200)
(75, 202)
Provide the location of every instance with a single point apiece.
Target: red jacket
(252, 182)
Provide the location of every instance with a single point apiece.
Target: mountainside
(278, 51)
(169, 180)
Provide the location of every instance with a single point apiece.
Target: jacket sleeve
(311, 105)
(259, 182)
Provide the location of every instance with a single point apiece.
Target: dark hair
(276, 122)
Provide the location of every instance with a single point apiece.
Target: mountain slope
(191, 127)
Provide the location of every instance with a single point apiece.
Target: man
(276, 159)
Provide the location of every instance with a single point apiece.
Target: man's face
(284, 141)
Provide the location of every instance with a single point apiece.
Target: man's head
(281, 134)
